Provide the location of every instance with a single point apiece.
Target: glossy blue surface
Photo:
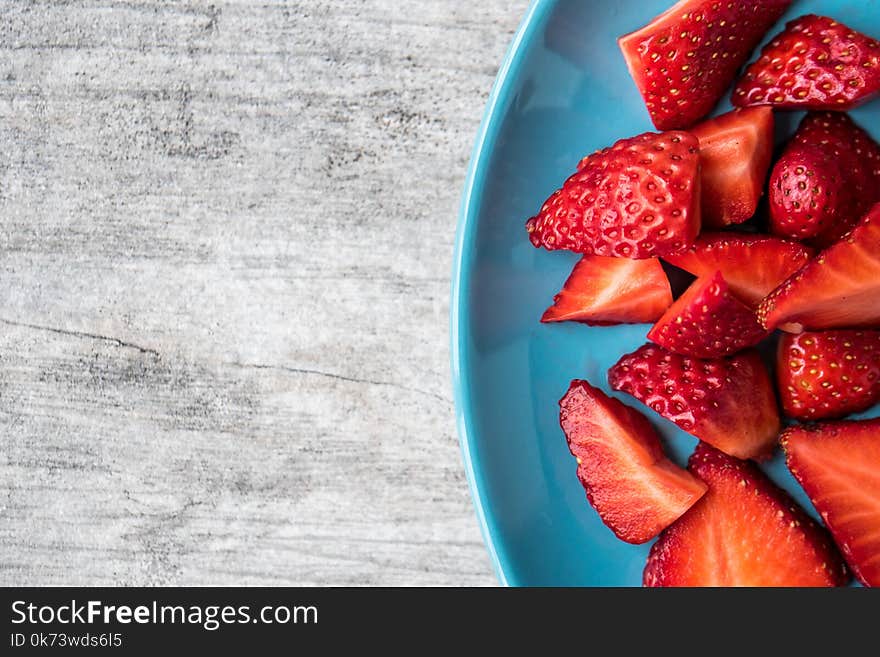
(562, 92)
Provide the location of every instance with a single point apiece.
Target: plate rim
(484, 145)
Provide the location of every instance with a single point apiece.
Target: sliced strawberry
(838, 465)
(707, 321)
(815, 63)
(839, 288)
(752, 265)
(826, 179)
(629, 481)
(744, 532)
(637, 199)
(683, 61)
(606, 291)
(828, 374)
(735, 153)
(727, 402)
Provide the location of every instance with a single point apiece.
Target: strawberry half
(636, 199)
(744, 532)
(726, 402)
(707, 321)
(628, 479)
(752, 265)
(815, 63)
(683, 61)
(838, 465)
(828, 374)
(735, 153)
(839, 288)
(603, 291)
(826, 179)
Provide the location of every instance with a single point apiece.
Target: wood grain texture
(226, 240)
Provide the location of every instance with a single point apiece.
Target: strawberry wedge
(839, 288)
(707, 321)
(744, 532)
(735, 153)
(816, 63)
(684, 60)
(636, 490)
(726, 402)
(838, 465)
(828, 374)
(752, 265)
(637, 199)
(603, 291)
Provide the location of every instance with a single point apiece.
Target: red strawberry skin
(735, 153)
(838, 465)
(752, 265)
(636, 490)
(808, 193)
(828, 374)
(815, 63)
(839, 288)
(603, 291)
(825, 181)
(707, 321)
(684, 60)
(744, 532)
(639, 198)
(726, 402)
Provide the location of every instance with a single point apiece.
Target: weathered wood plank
(226, 239)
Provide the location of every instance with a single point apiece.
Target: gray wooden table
(226, 240)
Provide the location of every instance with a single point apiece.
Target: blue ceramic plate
(563, 91)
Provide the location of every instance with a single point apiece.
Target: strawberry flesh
(707, 321)
(603, 291)
(744, 532)
(839, 288)
(838, 465)
(634, 487)
(815, 63)
(683, 61)
(827, 178)
(735, 153)
(752, 265)
(726, 402)
(639, 198)
(828, 374)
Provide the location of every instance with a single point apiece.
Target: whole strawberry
(816, 63)
(683, 61)
(639, 198)
(828, 374)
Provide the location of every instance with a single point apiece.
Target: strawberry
(707, 321)
(637, 199)
(735, 153)
(838, 465)
(604, 291)
(727, 402)
(808, 192)
(827, 178)
(815, 63)
(839, 288)
(828, 374)
(744, 532)
(752, 265)
(636, 490)
(685, 58)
